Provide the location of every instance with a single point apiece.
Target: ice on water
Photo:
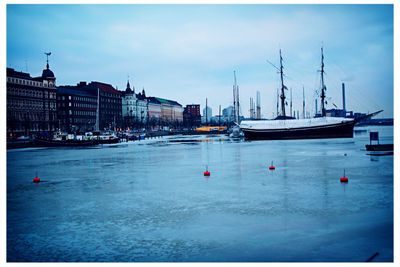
(149, 201)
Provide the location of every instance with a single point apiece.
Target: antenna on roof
(47, 55)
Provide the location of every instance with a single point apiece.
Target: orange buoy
(344, 178)
(36, 179)
(272, 167)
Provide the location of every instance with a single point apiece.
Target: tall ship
(287, 127)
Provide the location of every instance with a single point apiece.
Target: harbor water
(148, 201)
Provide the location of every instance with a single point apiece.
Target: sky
(188, 53)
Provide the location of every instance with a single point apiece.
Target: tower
(48, 78)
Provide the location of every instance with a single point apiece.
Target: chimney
(344, 99)
(82, 84)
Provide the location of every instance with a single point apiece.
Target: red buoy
(272, 167)
(36, 179)
(207, 173)
(344, 178)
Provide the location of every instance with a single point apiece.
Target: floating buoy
(272, 167)
(207, 173)
(344, 178)
(36, 179)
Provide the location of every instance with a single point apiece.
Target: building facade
(207, 114)
(134, 107)
(171, 111)
(228, 114)
(76, 108)
(191, 115)
(31, 103)
(164, 112)
(109, 106)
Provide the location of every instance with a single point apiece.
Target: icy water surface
(149, 201)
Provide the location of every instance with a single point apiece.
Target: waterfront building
(207, 114)
(164, 110)
(228, 114)
(109, 105)
(76, 108)
(142, 107)
(31, 103)
(218, 120)
(191, 115)
(154, 108)
(134, 107)
(171, 111)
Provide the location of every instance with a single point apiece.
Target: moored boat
(210, 129)
(323, 127)
(63, 143)
(64, 140)
(285, 127)
(380, 147)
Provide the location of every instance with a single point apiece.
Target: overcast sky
(189, 52)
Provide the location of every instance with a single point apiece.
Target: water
(149, 201)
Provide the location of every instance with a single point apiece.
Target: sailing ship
(287, 127)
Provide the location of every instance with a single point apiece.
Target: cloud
(189, 52)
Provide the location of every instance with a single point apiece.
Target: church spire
(128, 87)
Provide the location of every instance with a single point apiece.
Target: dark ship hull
(63, 143)
(316, 128)
(342, 130)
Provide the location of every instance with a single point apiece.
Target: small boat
(235, 132)
(211, 129)
(374, 136)
(60, 139)
(63, 143)
(104, 138)
(379, 147)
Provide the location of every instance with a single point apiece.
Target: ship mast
(323, 89)
(304, 105)
(235, 99)
(237, 103)
(291, 103)
(277, 102)
(283, 87)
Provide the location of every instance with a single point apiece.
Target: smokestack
(316, 106)
(344, 99)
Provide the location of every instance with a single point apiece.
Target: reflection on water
(149, 201)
